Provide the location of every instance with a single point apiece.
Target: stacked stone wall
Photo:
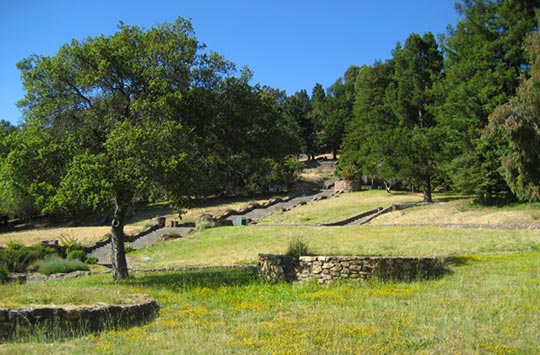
(326, 269)
(346, 186)
(18, 322)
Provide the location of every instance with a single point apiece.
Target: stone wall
(346, 186)
(327, 269)
(75, 320)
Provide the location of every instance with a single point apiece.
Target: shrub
(90, 259)
(17, 257)
(348, 172)
(171, 235)
(77, 255)
(298, 247)
(3, 273)
(55, 265)
(69, 244)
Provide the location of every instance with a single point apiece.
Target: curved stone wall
(327, 269)
(75, 320)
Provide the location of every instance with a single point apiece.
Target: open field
(241, 245)
(487, 304)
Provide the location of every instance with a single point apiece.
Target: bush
(77, 255)
(3, 273)
(298, 247)
(17, 257)
(203, 226)
(90, 259)
(348, 172)
(70, 244)
(55, 265)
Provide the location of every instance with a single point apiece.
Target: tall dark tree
(338, 111)
(365, 145)
(298, 108)
(112, 102)
(514, 129)
(394, 134)
(484, 60)
(417, 66)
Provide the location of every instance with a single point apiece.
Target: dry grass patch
(462, 212)
(84, 235)
(142, 217)
(341, 207)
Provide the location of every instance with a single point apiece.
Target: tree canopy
(137, 114)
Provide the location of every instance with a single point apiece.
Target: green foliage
(91, 260)
(70, 243)
(17, 257)
(3, 272)
(514, 132)
(298, 108)
(485, 58)
(204, 225)
(77, 255)
(128, 248)
(55, 265)
(298, 247)
(394, 134)
(348, 172)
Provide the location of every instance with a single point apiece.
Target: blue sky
(288, 44)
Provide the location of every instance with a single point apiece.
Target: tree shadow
(186, 280)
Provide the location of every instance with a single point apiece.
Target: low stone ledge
(75, 320)
(327, 269)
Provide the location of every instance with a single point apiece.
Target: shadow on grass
(461, 260)
(208, 278)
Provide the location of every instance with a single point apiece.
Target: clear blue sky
(288, 44)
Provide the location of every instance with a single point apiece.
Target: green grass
(241, 245)
(488, 305)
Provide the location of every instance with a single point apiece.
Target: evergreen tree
(298, 108)
(484, 60)
(514, 129)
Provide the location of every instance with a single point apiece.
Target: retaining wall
(326, 269)
(75, 320)
(346, 186)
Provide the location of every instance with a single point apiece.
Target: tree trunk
(119, 263)
(334, 154)
(427, 189)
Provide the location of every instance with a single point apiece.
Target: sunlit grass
(341, 207)
(241, 245)
(488, 305)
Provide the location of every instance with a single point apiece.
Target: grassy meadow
(488, 303)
